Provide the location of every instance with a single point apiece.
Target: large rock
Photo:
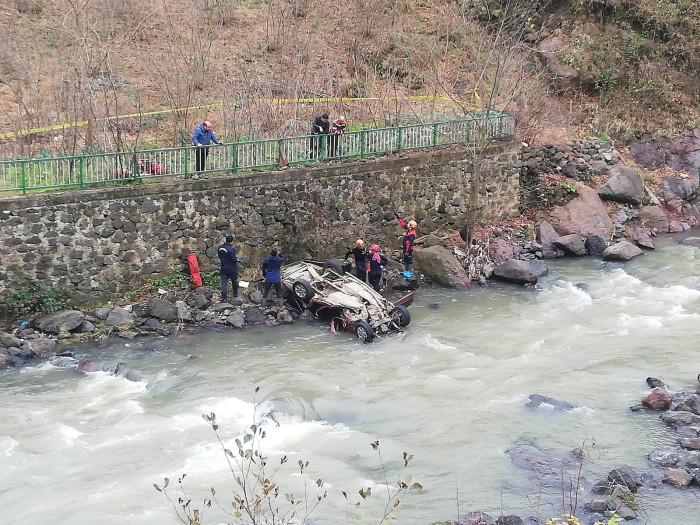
(236, 319)
(8, 340)
(161, 309)
(563, 76)
(621, 251)
(595, 245)
(654, 217)
(54, 322)
(441, 267)
(658, 399)
(585, 215)
(515, 271)
(255, 316)
(572, 245)
(43, 347)
(624, 185)
(119, 317)
(546, 235)
(501, 250)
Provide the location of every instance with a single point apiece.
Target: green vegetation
(35, 297)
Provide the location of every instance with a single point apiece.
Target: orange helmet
(412, 224)
(360, 243)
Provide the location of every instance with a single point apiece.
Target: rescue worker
(407, 244)
(272, 273)
(360, 255)
(229, 267)
(376, 264)
(320, 126)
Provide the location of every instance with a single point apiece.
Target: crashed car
(351, 304)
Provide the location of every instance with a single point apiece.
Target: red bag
(194, 269)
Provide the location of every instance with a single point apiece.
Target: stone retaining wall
(107, 240)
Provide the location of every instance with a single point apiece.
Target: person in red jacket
(407, 244)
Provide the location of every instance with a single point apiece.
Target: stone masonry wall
(106, 240)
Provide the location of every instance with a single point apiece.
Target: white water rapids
(86, 450)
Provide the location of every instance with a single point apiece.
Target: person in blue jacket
(202, 138)
(376, 264)
(229, 267)
(272, 273)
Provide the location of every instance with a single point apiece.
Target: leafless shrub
(29, 7)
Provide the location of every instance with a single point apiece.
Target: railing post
(435, 134)
(81, 171)
(363, 138)
(234, 162)
(187, 161)
(23, 172)
(399, 138)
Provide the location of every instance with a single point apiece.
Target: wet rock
(53, 322)
(571, 245)
(546, 235)
(119, 317)
(658, 399)
(236, 319)
(626, 477)
(596, 505)
(477, 518)
(538, 267)
(102, 313)
(284, 317)
(678, 477)
(509, 520)
(654, 382)
(441, 267)
(585, 215)
(691, 443)
(654, 217)
(515, 271)
(184, 314)
(642, 238)
(255, 316)
(679, 419)
(43, 347)
(665, 458)
(161, 309)
(621, 251)
(536, 400)
(595, 245)
(690, 241)
(690, 404)
(624, 185)
(127, 334)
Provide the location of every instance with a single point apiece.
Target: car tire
(301, 289)
(403, 315)
(335, 265)
(364, 332)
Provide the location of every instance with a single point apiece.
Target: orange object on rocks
(194, 269)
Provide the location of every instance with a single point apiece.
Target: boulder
(43, 347)
(236, 319)
(658, 399)
(8, 340)
(432, 240)
(255, 316)
(102, 313)
(654, 217)
(515, 271)
(119, 317)
(625, 477)
(562, 76)
(53, 323)
(691, 241)
(162, 309)
(501, 250)
(595, 245)
(691, 443)
(690, 404)
(624, 185)
(621, 251)
(538, 267)
(536, 400)
(571, 245)
(585, 215)
(284, 316)
(546, 235)
(678, 477)
(255, 297)
(441, 267)
(642, 238)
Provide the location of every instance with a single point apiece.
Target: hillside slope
(567, 67)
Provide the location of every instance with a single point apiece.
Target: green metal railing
(88, 170)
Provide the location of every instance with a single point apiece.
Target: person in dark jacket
(271, 270)
(360, 255)
(376, 264)
(202, 137)
(320, 126)
(229, 267)
(407, 244)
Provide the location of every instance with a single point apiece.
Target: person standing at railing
(229, 267)
(320, 126)
(202, 138)
(337, 131)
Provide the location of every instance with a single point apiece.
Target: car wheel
(302, 290)
(364, 332)
(400, 314)
(335, 265)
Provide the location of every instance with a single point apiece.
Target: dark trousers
(362, 273)
(333, 142)
(200, 159)
(278, 289)
(315, 146)
(224, 284)
(375, 279)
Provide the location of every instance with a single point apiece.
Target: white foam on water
(8, 445)
(69, 433)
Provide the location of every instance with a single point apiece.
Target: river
(451, 391)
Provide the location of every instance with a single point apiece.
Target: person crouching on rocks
(229, 267)
(271, 270)
(407, 244)
(360, 255)
(376, 264)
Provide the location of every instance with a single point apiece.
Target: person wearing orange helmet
(377, 262)
(407, 244)
(360, 255)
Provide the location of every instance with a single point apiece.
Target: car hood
(343, 300)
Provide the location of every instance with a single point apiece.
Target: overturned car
(350, 304)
